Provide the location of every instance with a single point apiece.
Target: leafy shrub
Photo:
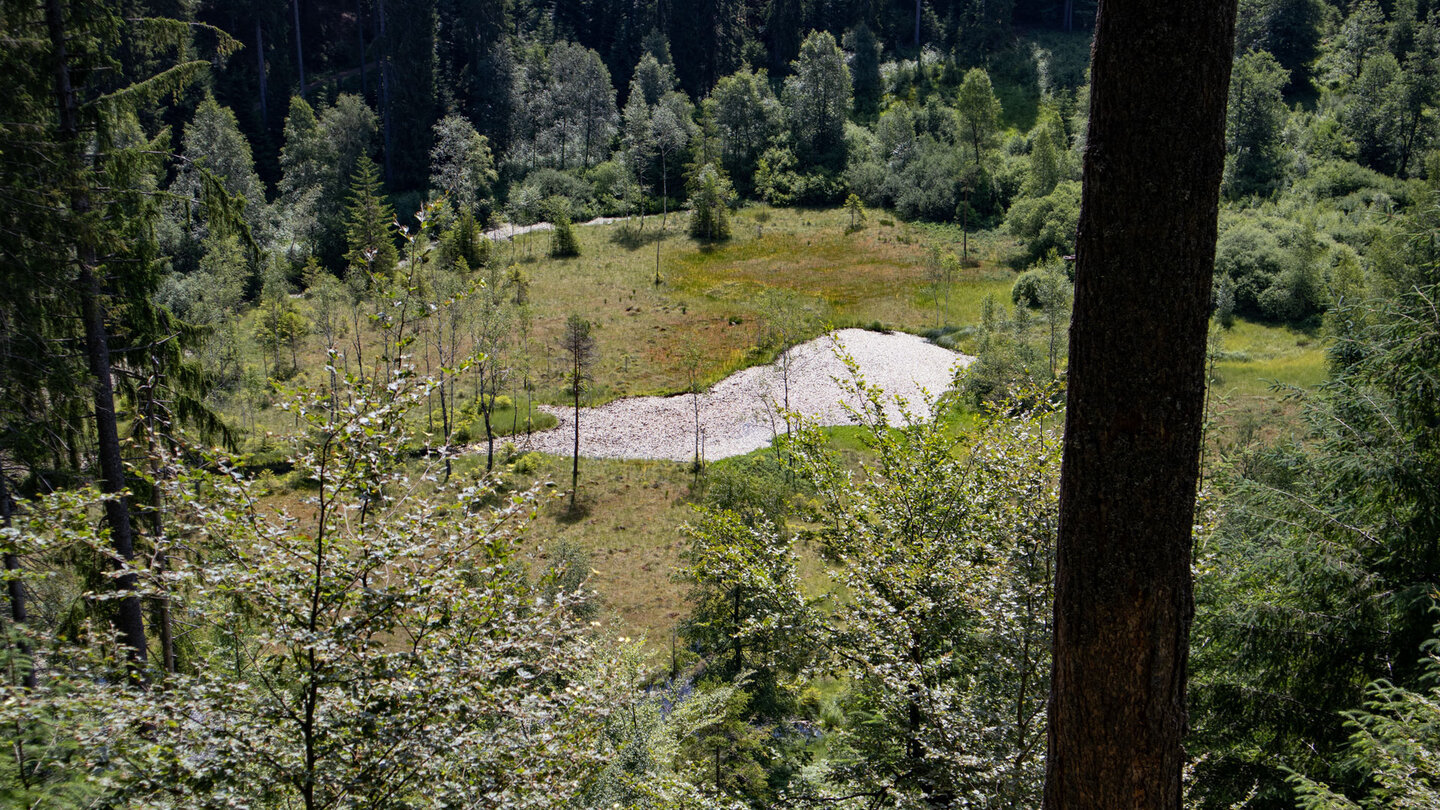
(929, 187)
(1271, 269)
(710, 204)
(1048, 223)
(1039, 286)
(1341, 178)
(866, 180)
(533, 198)
(754, 487)
(529, 463)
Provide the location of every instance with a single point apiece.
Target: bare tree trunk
(1123, 599)
(129, 620)
(360, 36)
(299, 49)
(489, 434)
(260, 73)
(384, 86)
(157, 523)
(575, 456)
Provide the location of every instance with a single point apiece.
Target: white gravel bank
(510, 230)
(735, 414)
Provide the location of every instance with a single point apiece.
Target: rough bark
(1123, 602)
(129, 616)
(129, 619)
(16, 589)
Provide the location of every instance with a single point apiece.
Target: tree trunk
(1145, 255)
(489, 437)
(360, 36)
(575, 457)
(299, 47)
(162, 617)
(385, 79)
(129, 621)
(16, 588)
(260, 72)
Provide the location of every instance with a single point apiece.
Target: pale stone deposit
(737, 413)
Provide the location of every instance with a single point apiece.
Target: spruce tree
(78, 252)
(369, 231)
(709, 205)
(563, 244)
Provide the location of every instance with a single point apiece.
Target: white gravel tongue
(735, 413)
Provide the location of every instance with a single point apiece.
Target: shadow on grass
(632, 237)
(570, 515)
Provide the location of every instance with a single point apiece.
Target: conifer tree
(563, 244)
(710, 204)
(78, 251)
(370, 223)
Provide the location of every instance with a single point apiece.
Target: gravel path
(735, 414)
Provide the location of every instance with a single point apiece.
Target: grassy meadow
(717, 300)
(712, 307)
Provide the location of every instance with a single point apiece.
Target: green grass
(629, 522)
(504, 421)
(711, 298)
(1255, 357)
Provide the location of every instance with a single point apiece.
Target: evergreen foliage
(710, 204)
(563, 243)
(1329, 549)
(369, 227)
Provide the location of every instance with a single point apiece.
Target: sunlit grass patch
(1251, 358)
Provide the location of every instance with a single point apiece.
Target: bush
(1048, 223)
(1272, 270)
(929, 187)
(1039, 286)
(534, 198)
(1341, 178)
(528, 463)
(753, 487)
(866, 180)
(778, 183)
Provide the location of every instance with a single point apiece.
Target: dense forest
(288, 287)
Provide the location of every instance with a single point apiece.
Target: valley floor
(740, 414)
